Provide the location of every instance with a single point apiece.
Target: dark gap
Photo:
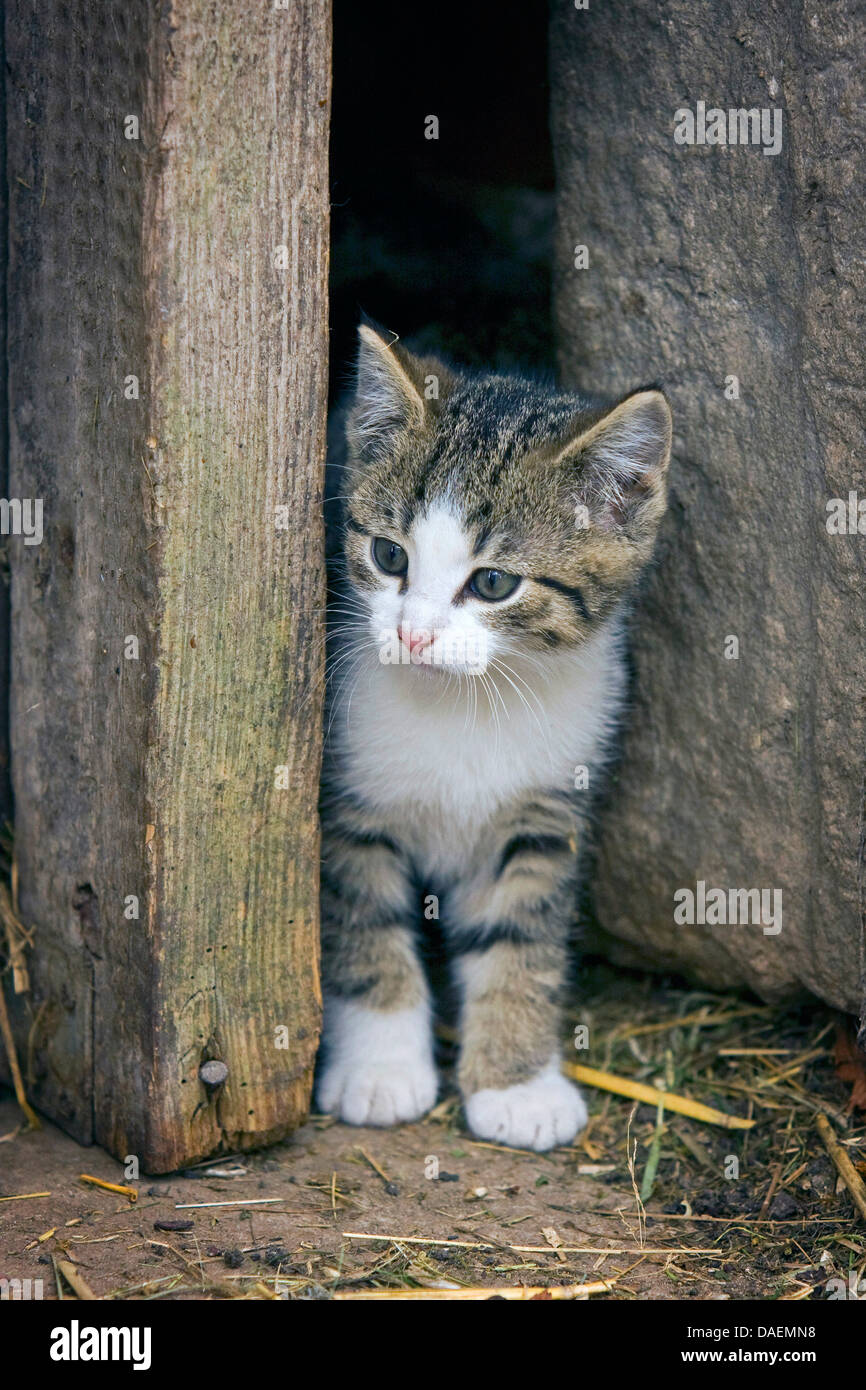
(447, 242)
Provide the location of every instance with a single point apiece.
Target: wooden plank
(194, 258)
(5, 779)
(736, 276)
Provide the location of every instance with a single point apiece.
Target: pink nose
(415, 641)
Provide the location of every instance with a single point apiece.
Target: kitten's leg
(509, 937)
(378, 1064)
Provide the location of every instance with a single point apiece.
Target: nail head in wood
(213, 1073)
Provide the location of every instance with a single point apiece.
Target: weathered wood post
(168, 354)
(724, 256)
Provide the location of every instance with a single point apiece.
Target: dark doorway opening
(446, 241)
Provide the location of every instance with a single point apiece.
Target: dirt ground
(325, 1189)
(451, 1213)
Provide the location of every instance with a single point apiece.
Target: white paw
(386, 1094)
(537, 1114)
(379, 1067)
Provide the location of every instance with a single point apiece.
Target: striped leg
(378, 1054)
(509, 939)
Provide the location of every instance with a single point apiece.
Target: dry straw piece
(535, 1249)
(651, 1095)
(76, 1281)
(17, 937)
(847, 1172)
(542, 1293)
(129, 1193)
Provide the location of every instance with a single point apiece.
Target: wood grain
(159, 777)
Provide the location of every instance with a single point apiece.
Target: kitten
(491, 530)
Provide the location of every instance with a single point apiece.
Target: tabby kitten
(491, 530)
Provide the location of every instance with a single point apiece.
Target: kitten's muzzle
(415, 640)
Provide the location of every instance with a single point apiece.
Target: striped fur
(457, 727)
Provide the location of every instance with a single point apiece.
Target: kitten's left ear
(395, 391)
(621, 462)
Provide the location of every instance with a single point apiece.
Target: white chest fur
(437, 760)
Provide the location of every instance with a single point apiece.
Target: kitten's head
(487, 515)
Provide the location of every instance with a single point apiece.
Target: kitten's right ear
(387, 398)
(618, 467)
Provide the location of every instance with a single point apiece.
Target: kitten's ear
(388, 395)
(621, 463)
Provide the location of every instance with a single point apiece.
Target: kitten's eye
(493, 585)
(389, 556)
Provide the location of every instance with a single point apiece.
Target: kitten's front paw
(383, 1093)
(537, 1114)
(379, 1067)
